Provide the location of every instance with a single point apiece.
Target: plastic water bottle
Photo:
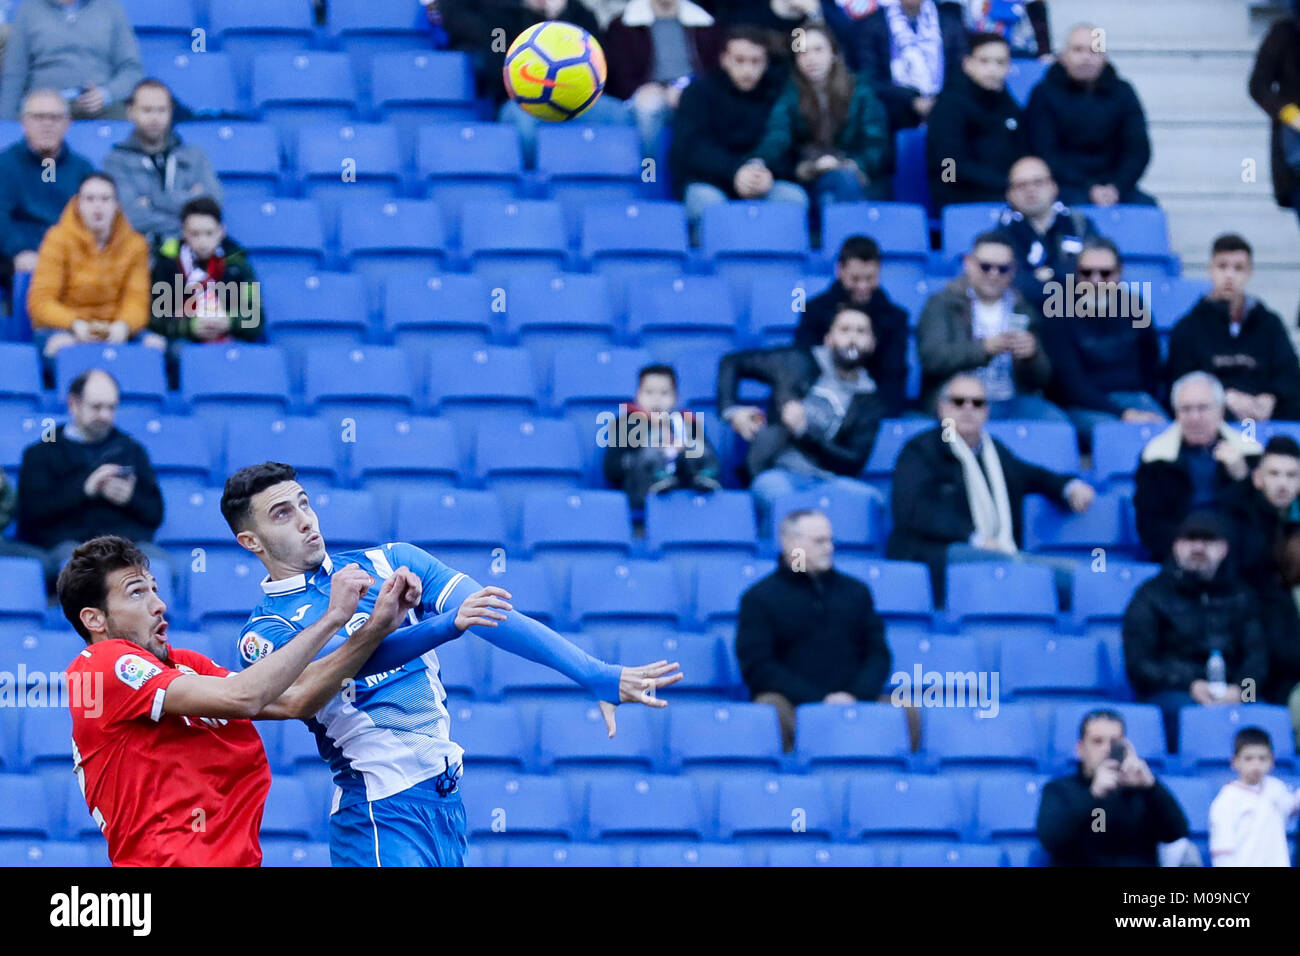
(1216, 675)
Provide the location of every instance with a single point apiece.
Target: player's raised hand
(400, 593)
(483, 608)
(348, 586)
(637, 685)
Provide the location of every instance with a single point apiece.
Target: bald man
(1046, 235)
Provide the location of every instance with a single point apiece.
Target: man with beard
(822, 417)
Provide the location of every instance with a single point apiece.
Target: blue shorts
(416, 827)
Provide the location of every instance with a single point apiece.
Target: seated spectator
(666, 449)
(1194, 608)
(91, 479)
(958, 493)
(1275, 86)
(979, 324)
(828, 131)
(1046, 234)
(907, 49)
(155, 171)
(857, 284)
(1190, 465)
(31, 198)
(775, 19)
(1088, 125)
(808, 633)
(91, 282)
(973, 133)
(1249, 817)
(85, 49)
(1024, 25)
(653, 50)
(1105, 365)
(1140, 813)
(824, 408)
(708, 157)
(1239, 340)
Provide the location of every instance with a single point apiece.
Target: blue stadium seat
(513, 460)
(649, 807)
(910, 182)
(407, 455)
(899, 589)
(453, 525)
(422, 312)
(718, 523)
(392, 239)
(961, 854)
(678, 854)
(232, 379)
(899, 227)
(249, 27)
(226, 589)
(137, 368)
(568, 854)
(161, 26)
(673, 315)
(23, 808)
(285, 232)
(980, 591)
(491, 385)
(311, 445)
(94, 139)
(179, 453)
(45, 739)
(902, 808)
(573, 735)
(582, 163)
(624, 593)
(357, 162)
(290, 814)
(702, 659)
(776, 304)
(22, 590)
(459, 163)
(1205, 734)
(194, 521)
(893, 435)
(246, 157)
(723, 735)
(292, 853)
(295, 90)
(347, 381)
(324, 308)
(745, 239)
(525, 682)
(506, 238)
(1143, 725)
(44, 853)
(548, 313)
(367, 27)
(697, 381)
(976, 736)
(46, 653)
(409, 89)
(204, 82)
(836, 854)
(1006, 811)
(77, 823)
(1116, 451)
(1171, 299)
(495, 735)
(1141, 232)
(1024, 76)
(855, 521)
(777, 806)
(588, 381)
(721, 582)
(1070, 666)
(20, 392)
(623, 241)
(576, 523)
(1050, 445)
(962, 222)
(864, 734)
(533, 590)
(1050, 529)
(1194, 795)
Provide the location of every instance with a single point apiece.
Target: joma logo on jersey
(355, 624)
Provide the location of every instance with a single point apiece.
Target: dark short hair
(860, 247)
(1231, 242)
(1282, 445)
(1251, 737)
(658, 369)
(841, 307)
(201, 206)
(77, 387)
(746, 32)
(150, 82)
(83, 582)
(1100, 713)
(1104, 244)
(102, 176)
(237, 497)
(984, 38)
(993, 237)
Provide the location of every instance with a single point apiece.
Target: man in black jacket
(1137, 812)
(91, 479)
(1046, 234)
(808, 634)
(857, 283)
(1177, 621)
(824, 413)
(974, 130)
(1089, 126)
(958, 493)
(708, 154)
(1236, 338)
(936, 31)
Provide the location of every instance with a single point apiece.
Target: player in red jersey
(172, 769)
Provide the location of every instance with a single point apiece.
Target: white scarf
(916, 56)
(990, 508)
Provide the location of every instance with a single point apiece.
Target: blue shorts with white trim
(417, 827)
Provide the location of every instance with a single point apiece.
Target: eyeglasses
(1098, 273)
(1000, 268)
(961, 401)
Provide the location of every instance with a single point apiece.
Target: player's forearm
(529, 639)
(322, 679)
(408, 643)
(269, 678)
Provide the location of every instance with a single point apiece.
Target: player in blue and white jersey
(386, 735)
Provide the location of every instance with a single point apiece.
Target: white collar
(639, 13)
(297, 582)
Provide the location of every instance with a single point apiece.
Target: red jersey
(166, 790)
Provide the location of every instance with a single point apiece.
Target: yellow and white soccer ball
(555, 70)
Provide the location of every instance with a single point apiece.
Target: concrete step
(1153, 20)
(1190, 85)
(1194, 222)
(1209, 160)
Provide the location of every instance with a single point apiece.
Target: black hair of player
(237, 496)
(83, 582)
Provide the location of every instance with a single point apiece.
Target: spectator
(1047, 235)
(1238, 339)
(824, 412)
(1248, 818)
(1190, 465)
(978, 323)
(85, 49)
(155, 171)
(907, 49)
(1275, 86)
(808, 633)
(1088, 125)
(1024, 25)
(958, 492)
(857, 284)
(1140, 813)
(827, 131)
(38, 175)
(653, 50)
(10, 548)
(91, 282)
(665, 449)
(92, 479)
(1105, 364)
(708, 157)
(776, 19)
(1195, 608)
(973, 133)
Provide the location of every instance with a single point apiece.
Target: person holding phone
(1112, 811)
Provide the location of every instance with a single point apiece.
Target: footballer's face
(132, 612)
(283, 530)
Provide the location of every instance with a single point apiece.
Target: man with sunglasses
(978, 323)
(1047, 235)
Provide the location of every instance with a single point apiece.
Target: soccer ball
(555, 70)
